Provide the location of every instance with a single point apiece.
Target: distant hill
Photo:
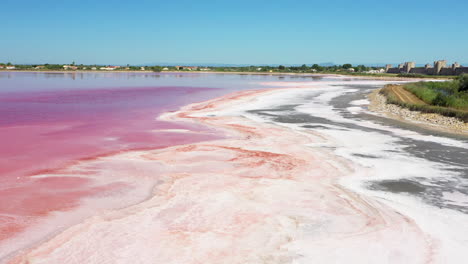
(327, 64)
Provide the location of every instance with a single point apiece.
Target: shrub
(418, 89)
(411, 75)
(463, 83)
(156, 68)
(446, 94)
(440, 100)
(432, 108)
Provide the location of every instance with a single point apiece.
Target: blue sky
(237, 32)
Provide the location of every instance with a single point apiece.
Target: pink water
(57, 129)
(93, 172)
(52, 121)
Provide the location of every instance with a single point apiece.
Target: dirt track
(404, 95)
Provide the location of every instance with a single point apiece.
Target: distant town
(408, 69)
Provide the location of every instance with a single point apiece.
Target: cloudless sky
(235, 32)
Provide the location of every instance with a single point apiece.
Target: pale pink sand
(260, 196)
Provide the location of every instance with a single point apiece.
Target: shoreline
(261, 193)
(431, 121)
(365, 77)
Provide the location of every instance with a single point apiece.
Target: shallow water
(309, 174)
(51, 121)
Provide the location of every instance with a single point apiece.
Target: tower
(438, 65)
(408, 66)
(388, 67)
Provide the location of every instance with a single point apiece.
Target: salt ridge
(268, 194)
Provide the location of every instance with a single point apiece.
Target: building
(388, 67)
(189, 68)
(11, 67)
(376, 71)
(70, 67)
(109, 68)
(438, 68)
(408, 66)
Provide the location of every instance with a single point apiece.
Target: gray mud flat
(448, 162)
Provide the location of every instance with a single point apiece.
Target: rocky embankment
(433, 121)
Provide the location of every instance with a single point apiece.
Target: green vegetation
(446, 94)
(345, 69)
(367, 74)
(463, 83)
(347, 66)
(304, 68)
(362, 68)
(421, 76)
(317, 67)
(448, 98)
(157, 68)
(411, 75)
(53, 66)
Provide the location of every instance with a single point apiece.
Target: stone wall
(393, 70)
(420, 71)
(446, 71)
(461, 70)
(440, 68)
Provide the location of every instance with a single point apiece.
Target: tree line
(252, 68)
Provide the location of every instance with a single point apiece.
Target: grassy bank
(445, 98)
(424, 76)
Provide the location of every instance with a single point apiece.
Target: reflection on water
(27, 81)
(130, 75)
